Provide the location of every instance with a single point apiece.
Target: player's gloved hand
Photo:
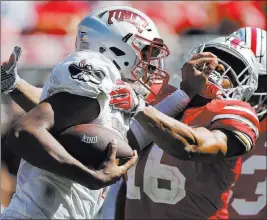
(109, 172)
(126, 99)
(196, 71)
(9, 75)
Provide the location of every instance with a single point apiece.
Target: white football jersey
(41, 194)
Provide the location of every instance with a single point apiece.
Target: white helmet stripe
(258, 44)
(248, 36)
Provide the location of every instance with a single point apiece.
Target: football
(88, 144)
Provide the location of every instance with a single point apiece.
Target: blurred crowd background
(46, 32)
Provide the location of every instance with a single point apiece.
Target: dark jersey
(160, 186)
(248, 196)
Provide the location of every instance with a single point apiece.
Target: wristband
(174, 103)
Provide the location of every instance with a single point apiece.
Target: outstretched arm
(185, 142)
(23, 93)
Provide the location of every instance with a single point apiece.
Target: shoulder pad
(84, 73)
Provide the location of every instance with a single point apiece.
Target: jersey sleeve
(84, 73)
(238, 117)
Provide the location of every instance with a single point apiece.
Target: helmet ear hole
(102, 49)
(127, 37)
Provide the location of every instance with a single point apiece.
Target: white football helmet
(130, 39)
(240, 68)
(255, 38)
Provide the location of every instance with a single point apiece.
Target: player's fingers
(113, 93)
(203, 54)
(119, 100)
(119, 91)
(191, 148)
(207, 60)
(17, 50)
(220, 67)
(125, 106)
(207, 70)
(130, 162)
(112, 150)
(13, 59)
(226, 83)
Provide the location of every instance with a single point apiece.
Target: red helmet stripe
(254, 40)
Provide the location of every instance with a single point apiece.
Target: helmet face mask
(259, 98)
(239, 67)
(149, 68)
(129, 39)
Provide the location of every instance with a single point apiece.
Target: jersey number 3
(242, 206)
(155, 171)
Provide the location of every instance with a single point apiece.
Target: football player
(248, 196)
(171, 107)
(195, 157)
(113, 43)
(25, 88)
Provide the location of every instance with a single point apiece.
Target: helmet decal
(125, 15)
(255, 38)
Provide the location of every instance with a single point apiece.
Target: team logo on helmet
(123, 15)
(237, 43)
(86, 73)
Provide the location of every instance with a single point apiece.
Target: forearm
(171, 106)
(38, 147)
(26, 95)
(182, 141)
(169, 134)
